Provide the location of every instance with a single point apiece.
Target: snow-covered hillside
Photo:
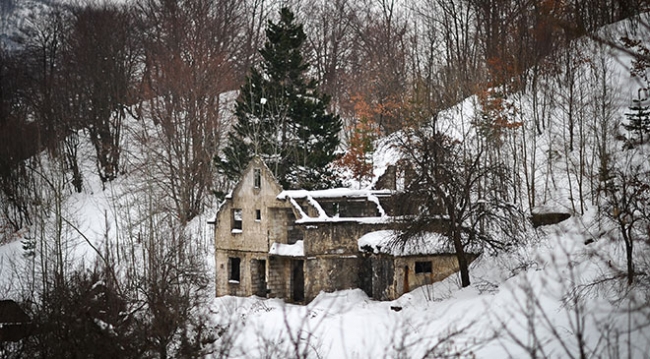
(561, 294)
(535, 300)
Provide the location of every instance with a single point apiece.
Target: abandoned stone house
(293, 244)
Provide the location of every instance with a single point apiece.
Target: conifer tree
(639, 118)
(281, 116)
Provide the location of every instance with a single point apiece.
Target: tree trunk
(462, 259)
(630, 263)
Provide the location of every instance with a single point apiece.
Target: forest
(503, 109)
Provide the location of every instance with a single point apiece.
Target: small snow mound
(288, 250)
(340, 301)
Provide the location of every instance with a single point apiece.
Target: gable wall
(256, 235)
(253, 242)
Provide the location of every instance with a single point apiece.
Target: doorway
(298, 280)
(260, 277)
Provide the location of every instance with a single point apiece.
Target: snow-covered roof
(385, 242)
(288, 250)
(336, 193)
(333, 193)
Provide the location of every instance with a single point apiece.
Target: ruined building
(294, 244)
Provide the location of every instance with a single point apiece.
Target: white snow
(288, 250)
(386, 242)
(520, 299)
(336, 193)
(332, 193)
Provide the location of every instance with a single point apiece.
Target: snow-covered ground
(527, 300)
(552, 297)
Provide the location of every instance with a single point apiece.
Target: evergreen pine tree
(281, 116)
(639, 118)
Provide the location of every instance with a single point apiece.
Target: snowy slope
(511, 294)
(539, 299)
(555, 297)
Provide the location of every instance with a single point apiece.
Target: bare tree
(101, 59)
(627, 203)
(330, 38)
(189, 52)
(379, 61)
(457, 193)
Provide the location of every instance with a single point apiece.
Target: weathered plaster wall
(330, 273)
(247, 274)
(256, 236)
(336, 238)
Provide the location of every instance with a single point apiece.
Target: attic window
(236, 220)
(234, 264)
(335, 208)
(257, 178)
(423, 267)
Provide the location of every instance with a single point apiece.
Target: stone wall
(339, 238)
(393, 276)
(248, 275)
(256, 234)
(279, 274)
(330, 273)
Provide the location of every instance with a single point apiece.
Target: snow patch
(288, 250)
(386, 242)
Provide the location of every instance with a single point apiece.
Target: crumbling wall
(383, 286)
(279, 277)
(246, 286)
(281, 227)
(336, 238)
(331, 273)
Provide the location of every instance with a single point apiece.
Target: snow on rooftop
(333, 193)
(312, 196)
(288, 250)
(386, 242)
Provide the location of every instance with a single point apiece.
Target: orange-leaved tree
(361, 134)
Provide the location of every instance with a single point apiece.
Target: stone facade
(295, 244)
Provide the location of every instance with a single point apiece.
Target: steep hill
(562, 293)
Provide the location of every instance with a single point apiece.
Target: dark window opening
(298, 281)
(234, 268)
(423, 267)
(237, 219)
(258, 215)
(257, 178)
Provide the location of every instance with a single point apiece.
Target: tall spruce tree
(281, 116)
(639, 118)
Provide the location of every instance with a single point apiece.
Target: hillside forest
(503, 110)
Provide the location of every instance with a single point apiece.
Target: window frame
(237, 225)
(234, 276)
(257, 178)
(423, 267)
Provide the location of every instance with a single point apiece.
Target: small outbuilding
(15, 324)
